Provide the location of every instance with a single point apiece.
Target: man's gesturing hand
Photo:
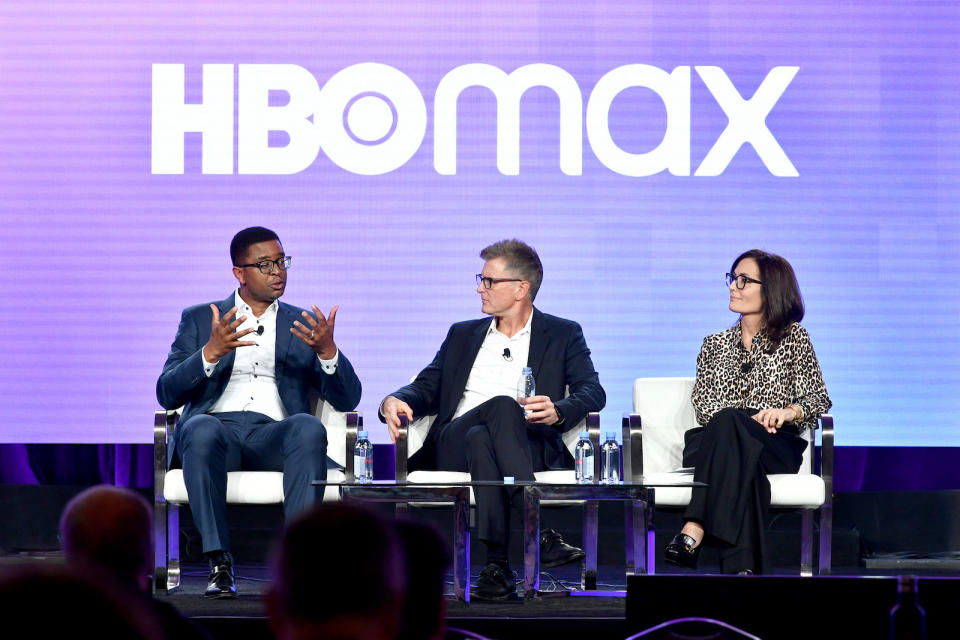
(541, 409)
(319, 334)
(392, 409)
(224, 337)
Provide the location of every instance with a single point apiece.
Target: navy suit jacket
(559, 358)
(298, 371)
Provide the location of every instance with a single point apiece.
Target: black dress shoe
(494, 583)
(221, 584)
(682, 551)
(555, 552)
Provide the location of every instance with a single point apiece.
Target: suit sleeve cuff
(330, 366)
(208, 367)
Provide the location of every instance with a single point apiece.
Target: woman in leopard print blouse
(758, 387)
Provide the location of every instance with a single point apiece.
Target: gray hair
(521, 259)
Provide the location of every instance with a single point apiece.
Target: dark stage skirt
(732, 455)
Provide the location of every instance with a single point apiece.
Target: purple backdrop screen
(638, 146)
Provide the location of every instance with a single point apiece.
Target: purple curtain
(124, 465)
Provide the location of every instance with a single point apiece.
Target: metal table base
(638, 528)
(402, 494)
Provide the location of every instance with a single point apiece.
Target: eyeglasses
(489, 282)
(741, 280)
(266, 266)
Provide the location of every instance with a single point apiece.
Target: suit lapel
(470, 350)
(228, 359)
(285, 318)
(539, 339)
(223, 373)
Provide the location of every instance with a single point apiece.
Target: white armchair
(243, 487)
(663, 412)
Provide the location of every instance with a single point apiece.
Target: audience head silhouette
(109, 529)
(338, 572)
(427, 556)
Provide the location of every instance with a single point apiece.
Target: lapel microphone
(260, 330)
(506, 354)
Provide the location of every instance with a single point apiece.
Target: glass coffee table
(637, 497)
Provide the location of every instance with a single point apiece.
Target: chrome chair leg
(588, 572)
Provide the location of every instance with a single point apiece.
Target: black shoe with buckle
(555, 552)
(221, 583)
(494, 583)
(683, 551)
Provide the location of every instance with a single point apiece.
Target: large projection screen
(639, 146)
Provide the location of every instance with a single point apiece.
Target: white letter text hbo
(370, 158)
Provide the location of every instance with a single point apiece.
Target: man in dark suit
(480, 427)
(243, 370)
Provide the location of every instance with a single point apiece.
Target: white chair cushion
(562, 476)
(797, 490)
(246, 487)
(559, 476)
(787, 490)
(417, 433)
(666, 413)
(335, 423)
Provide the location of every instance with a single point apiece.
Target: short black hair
(242, 241)
(782, 300)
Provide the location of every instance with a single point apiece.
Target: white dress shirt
(253, 383)
(492, 373)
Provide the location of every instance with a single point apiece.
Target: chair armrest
(400, 449)
(632, 447)
(826, 456)
(354, 425)
(164, 422)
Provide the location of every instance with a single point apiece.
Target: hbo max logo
(371, 118)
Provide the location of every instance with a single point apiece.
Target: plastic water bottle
(363, 459)
(583, 459)
(610, 452)
(526, 386)
(908, 620)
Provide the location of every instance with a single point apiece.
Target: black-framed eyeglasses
(741, 280)
(488, 282)
(266, 266)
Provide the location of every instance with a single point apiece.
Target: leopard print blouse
(730, 376)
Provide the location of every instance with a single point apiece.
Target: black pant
(732, 455)
(491, 442)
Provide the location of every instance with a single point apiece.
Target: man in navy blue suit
(480, 427)
(243, 370)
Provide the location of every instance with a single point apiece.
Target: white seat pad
(788, 490)
(556, 476)
(562, 476)
(246, 487)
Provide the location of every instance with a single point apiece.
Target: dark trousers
(491, 442)
(210, 445)
(733, 454)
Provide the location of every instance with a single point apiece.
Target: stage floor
(556, 614)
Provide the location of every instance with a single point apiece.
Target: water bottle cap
(527, 370)
(611, 435)
(361, 434)
(584, 435)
